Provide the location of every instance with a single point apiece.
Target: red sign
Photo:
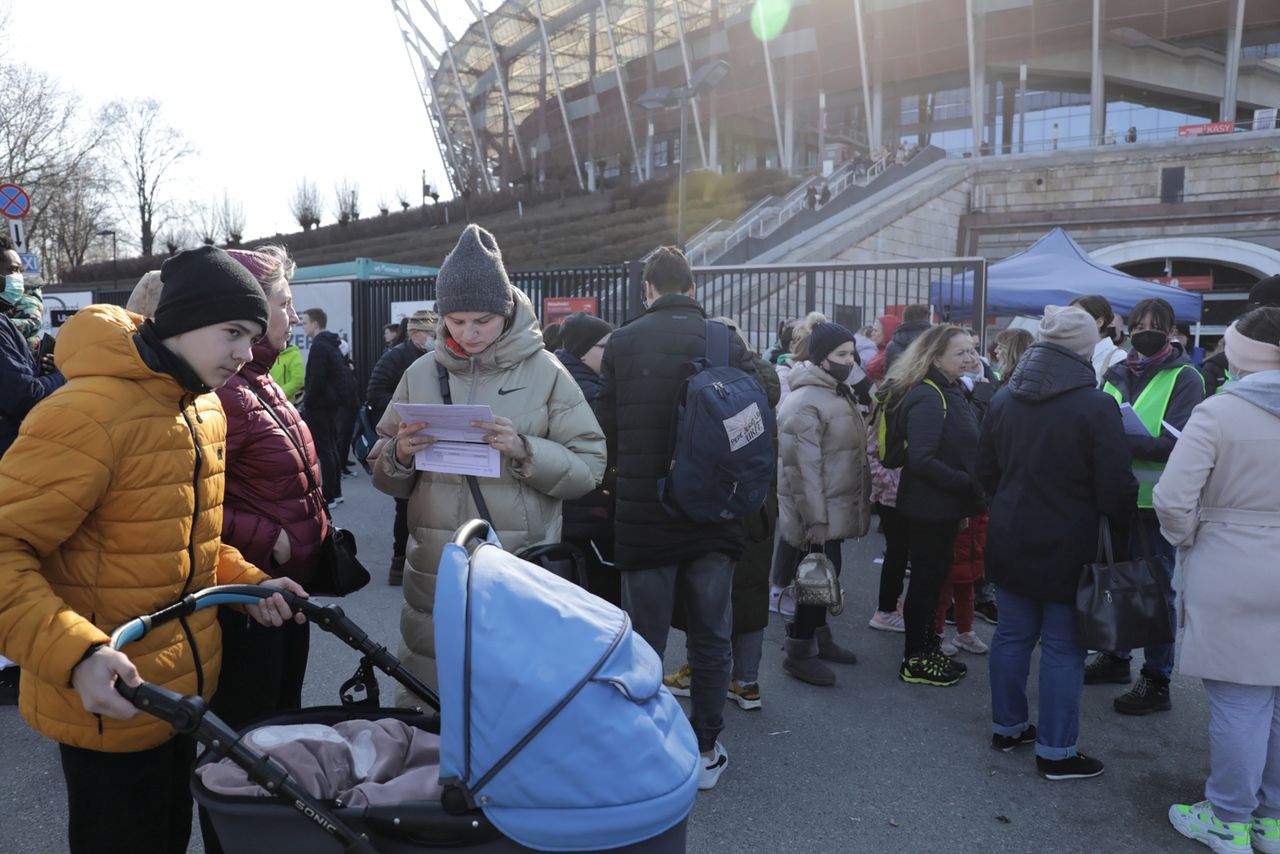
(1206, 129)
(556, 309)
(1187, 283)
(14, 201)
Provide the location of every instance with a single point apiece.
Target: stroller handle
(229, 594)
(476, 529)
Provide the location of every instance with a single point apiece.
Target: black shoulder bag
(563, 559)
(1122, 604)
(338, 571)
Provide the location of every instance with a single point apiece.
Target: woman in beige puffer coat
(824, 482)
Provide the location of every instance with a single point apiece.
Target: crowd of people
(192, 418)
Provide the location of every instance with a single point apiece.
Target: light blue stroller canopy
(554, 720)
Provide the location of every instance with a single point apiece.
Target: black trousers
(400, 528)
(324, 431)
(809, 618)
(897, 542)
(346, 428)
(129, 803)
(930, 551)
(262, 672)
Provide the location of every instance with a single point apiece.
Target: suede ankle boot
(829, 650)
(395, 577)
(802, 663)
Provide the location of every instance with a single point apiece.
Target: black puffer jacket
(386, 375)
(940, 479)
(1214, 370)
(645, 364)
(1054, 457)
(591, 516)
(1188, 393)
(329, 382)
(903, 337)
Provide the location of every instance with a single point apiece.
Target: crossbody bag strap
(446, 395)
(312, 486)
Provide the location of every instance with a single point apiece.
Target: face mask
(12, 289)
(839, 371)
(1150, 342)
(431, 342)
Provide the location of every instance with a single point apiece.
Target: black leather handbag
(1122, 605)
(338, 571)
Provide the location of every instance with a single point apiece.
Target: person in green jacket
(288, 372)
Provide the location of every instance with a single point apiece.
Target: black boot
(1149, 694)
(395, 577)
(1106, 667)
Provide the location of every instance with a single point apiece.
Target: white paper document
(1173, 431)
(1133, 425)
(459, 448)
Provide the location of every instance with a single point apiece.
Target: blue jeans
(1023, 621)
(1159, 658)
(706, 588)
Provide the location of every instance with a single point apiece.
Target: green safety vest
(1230, 379)
(1150, 407)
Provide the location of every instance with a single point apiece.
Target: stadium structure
(530, 90)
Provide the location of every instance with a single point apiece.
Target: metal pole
(1097, 102)
(1234, 34)
(680, 181)
(866, 79)
(773, 93)
(433, 103)
(502, 84)
(622, 89)
(462, 96)
(1022, 107)
(688, 81)
(975, 99)
(555, 76)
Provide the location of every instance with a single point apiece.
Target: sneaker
(1007, 743)
(929, 669)
(333, 505)
(712, 767)
(950, 618)
(887, 622)
(775, 594)
(747, 696)
(1266, 835)
(679, 683)
(787, 603)
(1197, 821)
(339, 500)
(1107, 668)
(948, 648)
(987, 611)
(1148, 694)
(970, 642)
(1078, 767)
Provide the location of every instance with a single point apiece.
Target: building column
(789, 119)
(975, 84)
(873, 130)
(1235, 31)
(555, 78)
(1097, 90)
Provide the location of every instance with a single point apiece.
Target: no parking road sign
(14, 201)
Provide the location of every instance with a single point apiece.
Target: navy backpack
(723, 461)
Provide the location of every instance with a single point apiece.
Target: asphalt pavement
(868, 765)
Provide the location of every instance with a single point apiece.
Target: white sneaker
(713, 767)
(970, 642)
(775, 594)
(887, 622)
(787, 603)
(949, 648)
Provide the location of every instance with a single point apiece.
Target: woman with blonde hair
(939, 487)
(1010, 345)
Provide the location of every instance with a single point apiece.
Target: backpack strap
(717, 344)
(476, 496)
(940, 394)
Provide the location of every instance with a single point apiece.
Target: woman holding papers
(1216, 502)
(549, 445)
(1158, 384)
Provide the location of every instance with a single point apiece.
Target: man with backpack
(661, 533)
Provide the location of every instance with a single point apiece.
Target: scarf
(163, 360)
(1139, 364)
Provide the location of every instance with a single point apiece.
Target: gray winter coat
(567, 461)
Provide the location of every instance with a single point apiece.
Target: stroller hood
(554, 720)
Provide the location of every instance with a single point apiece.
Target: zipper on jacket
(191, 538)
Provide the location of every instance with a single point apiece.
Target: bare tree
(383, 208)
(205, 221)
(347, 196)
(231, 219)
(306, 206)
(76, 214)
(403, 198)
(146, 149)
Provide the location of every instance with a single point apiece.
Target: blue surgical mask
(12, 289)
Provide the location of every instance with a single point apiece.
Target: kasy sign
(1206, 129)
(1187, 283)
(556, 309)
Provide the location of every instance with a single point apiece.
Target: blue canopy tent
(1053, 271)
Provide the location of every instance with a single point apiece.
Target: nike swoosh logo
(506, 391)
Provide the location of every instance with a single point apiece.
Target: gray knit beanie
(1071, 327)
(473, 278)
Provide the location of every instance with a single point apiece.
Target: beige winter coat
(1217, 502)
(823, 476)
(567, 461)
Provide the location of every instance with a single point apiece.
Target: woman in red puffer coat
(273, 511)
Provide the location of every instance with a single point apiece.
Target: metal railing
(1110, 138)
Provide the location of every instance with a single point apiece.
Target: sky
(267, 91)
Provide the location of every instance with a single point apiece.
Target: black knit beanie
(580, 332)
(1266, 292)
(205, 286)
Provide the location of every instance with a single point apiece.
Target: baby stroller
(555, 733)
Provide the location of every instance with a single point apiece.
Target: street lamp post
(701, 82)
(115, 269)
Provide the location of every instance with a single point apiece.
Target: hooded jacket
(903, 337)
(521, 381)
(21, 386)
(1188, 392)
(328, 382)
(386, 375)
(823, 475)
(591, 516)
(1054, 458)
(288, 372)
(1216, 503)
(111, 507)
(267, 485)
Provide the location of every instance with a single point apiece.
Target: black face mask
(1149, 342)
(838, 371)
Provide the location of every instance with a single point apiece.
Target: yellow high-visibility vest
(1150, 407)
